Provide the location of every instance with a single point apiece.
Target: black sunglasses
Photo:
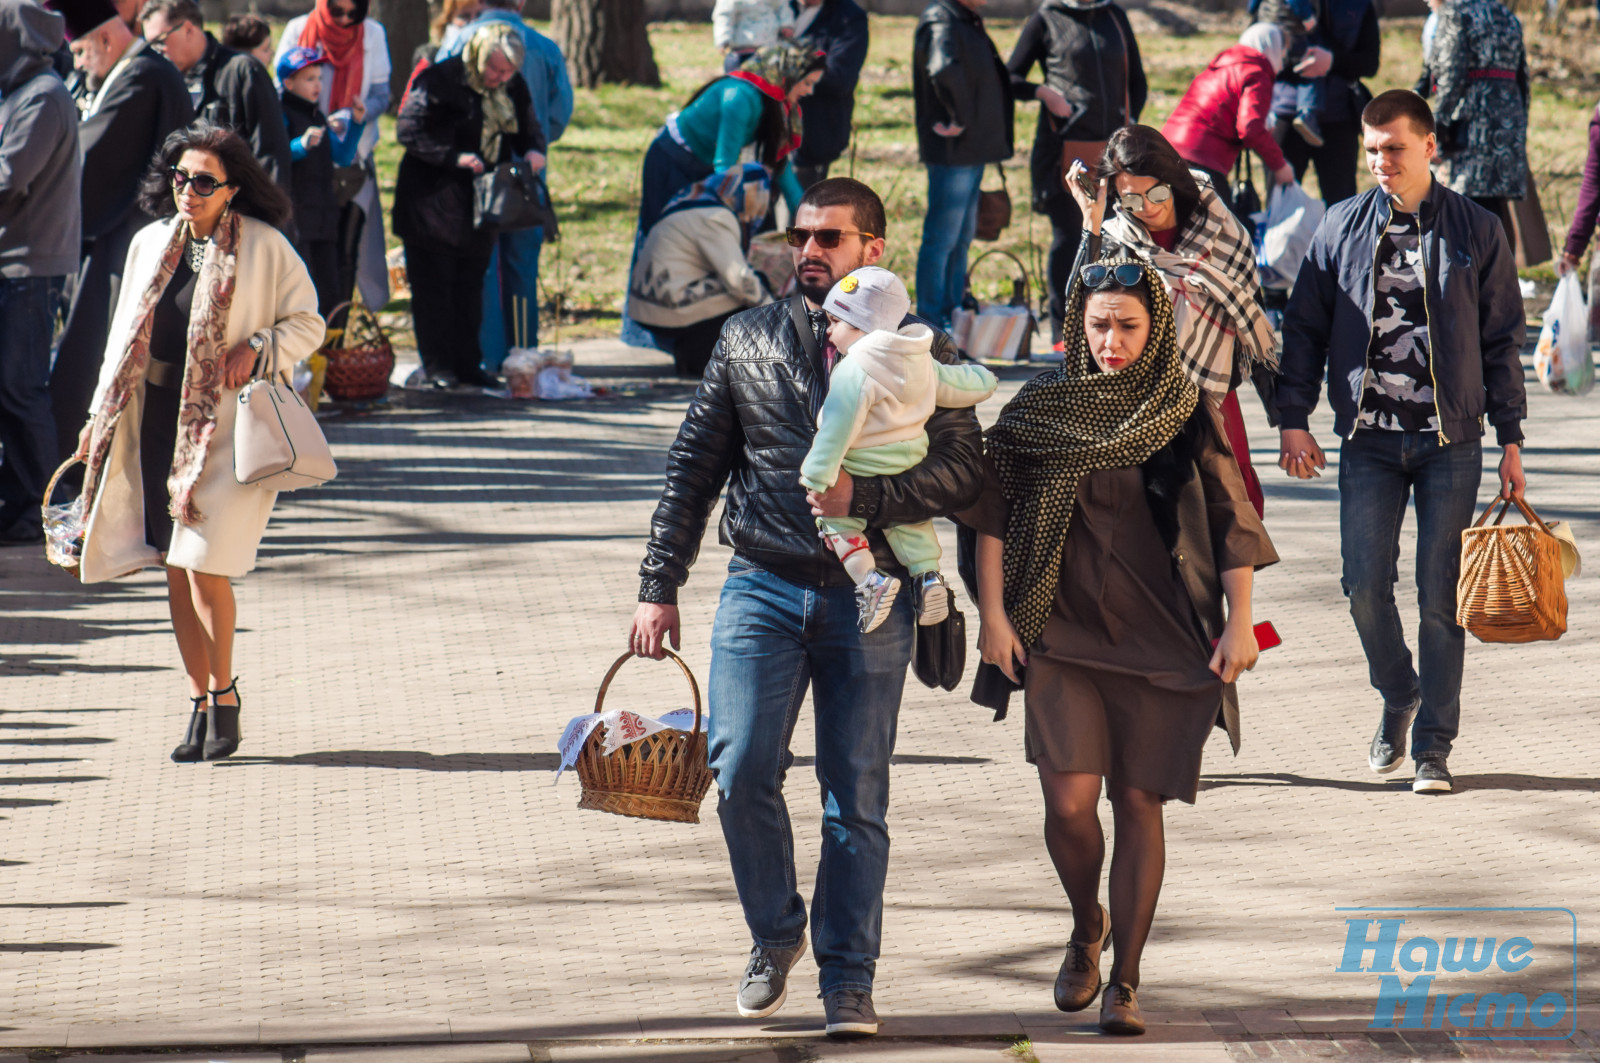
(1127, 275)
(342, 14)
(827, 239)
(201, 184)
(158, 43)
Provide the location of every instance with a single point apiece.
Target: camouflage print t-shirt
(1398, 393)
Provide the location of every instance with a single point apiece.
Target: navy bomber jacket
(1475, 319)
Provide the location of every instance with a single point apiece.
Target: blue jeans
(511, 296)
(947, 232)
(772, 639)
(1378, 471)
(27, 427)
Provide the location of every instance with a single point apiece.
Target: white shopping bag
(1286, 228)
(1562, 361)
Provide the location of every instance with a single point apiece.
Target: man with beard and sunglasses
(787, 615)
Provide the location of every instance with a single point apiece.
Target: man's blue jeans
(1378, 471)
(947, 232)
(511, 296)
(27, 428)
(772, 639)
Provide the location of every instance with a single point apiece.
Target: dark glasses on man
(1154, 196)
(158, 43)
(1127, 275)
(827, 239)
(201, 184)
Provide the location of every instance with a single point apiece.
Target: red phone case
(1266, 636)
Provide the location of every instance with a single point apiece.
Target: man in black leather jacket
(787, 615)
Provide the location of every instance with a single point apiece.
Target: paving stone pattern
(388, 858)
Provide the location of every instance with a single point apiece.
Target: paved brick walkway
(386, 860)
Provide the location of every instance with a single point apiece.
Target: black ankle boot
(224, 736)
(189, 750)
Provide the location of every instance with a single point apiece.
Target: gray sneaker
(849, 1013)
(874, 599)
(1388, 749)
(765, 984)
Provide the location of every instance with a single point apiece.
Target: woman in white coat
(209, 291)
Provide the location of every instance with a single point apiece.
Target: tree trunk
(406, 22)
(605, 42)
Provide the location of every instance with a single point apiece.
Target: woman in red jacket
(1228, 108)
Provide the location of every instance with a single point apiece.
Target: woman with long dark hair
(212, 291)
(1170, 217)
(1112, 527)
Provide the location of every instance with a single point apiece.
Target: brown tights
(1077, 847)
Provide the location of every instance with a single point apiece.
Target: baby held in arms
(882, 391)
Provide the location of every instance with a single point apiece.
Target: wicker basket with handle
(661, 776)
(63, 524)
(1511, 587)
(360, 356)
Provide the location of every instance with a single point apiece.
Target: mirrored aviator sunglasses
(1127, 275)
(201, 184)
(1153, 196)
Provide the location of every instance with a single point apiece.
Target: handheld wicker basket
(63, 524)
(662, 776)
(360, 357)
(1511, 587)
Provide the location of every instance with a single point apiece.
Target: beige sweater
(691, 269)
(273, 293)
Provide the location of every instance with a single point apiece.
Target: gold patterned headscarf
(499, 113)
(1067, 423)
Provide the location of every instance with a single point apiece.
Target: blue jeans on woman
(1378, 471)
(947, 232)
(771, 640)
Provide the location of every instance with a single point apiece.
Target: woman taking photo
(1178, 225)
(211, 290)
(463, 117)
(1112, 527)
(1092, 84)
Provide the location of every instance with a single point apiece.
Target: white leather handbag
(277, 443)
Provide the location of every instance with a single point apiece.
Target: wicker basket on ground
(1512, 585)
(360, 356)
(661, 776)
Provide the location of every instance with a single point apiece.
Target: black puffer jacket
(750, 425)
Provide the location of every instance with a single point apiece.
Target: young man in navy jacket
(1408, 304)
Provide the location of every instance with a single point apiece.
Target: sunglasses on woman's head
(201, 184)
(827, 239)
(1154, 196)
(1096, 276)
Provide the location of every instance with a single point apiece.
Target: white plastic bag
(1562, 361)
(1286, 228)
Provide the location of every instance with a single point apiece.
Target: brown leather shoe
(1119, 1010)
(1079, 978)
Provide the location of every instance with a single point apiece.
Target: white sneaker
(874, 598)
(932, 599)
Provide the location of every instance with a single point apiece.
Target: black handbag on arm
(941, 654)
(1246, 200)
(511, 197)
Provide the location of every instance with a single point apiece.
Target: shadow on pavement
(410, 759)
(53, 946)
(1463, 782)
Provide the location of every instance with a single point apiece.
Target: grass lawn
(595, 166)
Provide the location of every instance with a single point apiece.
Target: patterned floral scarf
(1067, 423)
(775, 70)
(499, 113)
(202, 374)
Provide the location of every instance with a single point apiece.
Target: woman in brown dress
(1113, 525)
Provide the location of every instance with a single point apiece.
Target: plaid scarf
(1067, 423)
(1211, 277)
(202, 374)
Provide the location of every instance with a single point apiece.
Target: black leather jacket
(957, 77)
(750, 425)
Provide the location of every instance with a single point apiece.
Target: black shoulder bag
(511, 197)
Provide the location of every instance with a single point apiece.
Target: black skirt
(158, 426)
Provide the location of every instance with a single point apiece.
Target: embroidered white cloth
(622, 728)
